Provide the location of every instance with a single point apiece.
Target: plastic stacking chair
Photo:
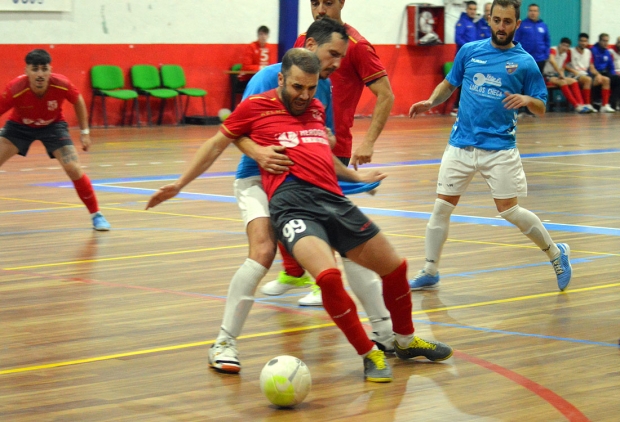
(145, 79)
(173, 77)
(108, 81)
(447, 67)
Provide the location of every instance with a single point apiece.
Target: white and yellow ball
(223, 114)
(285, 381)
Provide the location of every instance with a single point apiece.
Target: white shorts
(502, 170)
(251, 198)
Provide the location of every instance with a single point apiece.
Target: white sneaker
(607, 109)
(223, 356)
(314, 298)
(592, 108)
(284, 283)
(583, 109)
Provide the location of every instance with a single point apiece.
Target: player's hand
(515, 101)
(164, 193)
(419, 108)
(273, 160)
(372, 176)
(85, 139)
(362, 155)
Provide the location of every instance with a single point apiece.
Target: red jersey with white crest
(265, 119)
(32, 110)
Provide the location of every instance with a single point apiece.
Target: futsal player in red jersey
(309, 213)
(359, 68)
(36, 99)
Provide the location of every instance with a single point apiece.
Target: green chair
(145, 79)
(447, 67)
(173, 77)
(108, 81)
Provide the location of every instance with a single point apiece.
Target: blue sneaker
(562, 267)
(424, 281)
(100, 223)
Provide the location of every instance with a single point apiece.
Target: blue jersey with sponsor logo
(266, 80)
(485, 74)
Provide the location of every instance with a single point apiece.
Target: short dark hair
(38, 57)
(506, 3)
(600, 37)
(583, 35)
(263, 29)
(321, 31)
(533, 5)
(469, 3)
(304, 59)
(565, 40)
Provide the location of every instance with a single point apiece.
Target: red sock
(569, 96)
(605, 95)
(291, 266)
(86, 193)
(587, 96)
(397, 297)
(576, 93)
(342, 310)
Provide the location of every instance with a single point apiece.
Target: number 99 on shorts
(292, 227)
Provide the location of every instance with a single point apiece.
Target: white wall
(143, 22)
(385, 22)
(601, 16)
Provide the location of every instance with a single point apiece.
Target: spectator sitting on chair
(554, 74)
(258, 54)
(466, 31)
(604, 64)
(582, 68)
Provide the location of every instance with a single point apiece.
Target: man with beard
(309, 213)
(361, 67)
(36, 99)
(493, 73)
(328, 40)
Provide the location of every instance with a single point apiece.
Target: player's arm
(203, 159)
(382, 89)
(516, 101)
(348, 175)
(555, 66)
(271, 159)
(440, 94)
(82, 116)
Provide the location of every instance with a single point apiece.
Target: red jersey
(265, 119)
(360, 67)
(32, 110)
(256, 58)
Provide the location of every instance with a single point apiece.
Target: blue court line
(516, 333)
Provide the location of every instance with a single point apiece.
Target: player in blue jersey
(497, 77)
(328, 40)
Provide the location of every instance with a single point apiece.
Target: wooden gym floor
(115, 326)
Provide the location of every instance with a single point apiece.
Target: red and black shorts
(299, 209)
(53, 136)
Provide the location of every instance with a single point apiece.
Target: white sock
(436, 234)
(531, 226)
(367, 287)
(368, 352)
(404, 340)
(241, 297)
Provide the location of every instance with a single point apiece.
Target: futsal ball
(223, 114)
(285, 381)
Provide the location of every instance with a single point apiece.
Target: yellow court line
(291, 330)
(42, 209)
(119, 258)
(36, 201)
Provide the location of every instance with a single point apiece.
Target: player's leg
(574, 88)
(455, 173)
(378, 255)
(293, 276)
(504, 174)
(7, 150)
(58, 144)
(252, 202)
